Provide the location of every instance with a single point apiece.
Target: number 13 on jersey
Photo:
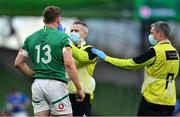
(47, 50)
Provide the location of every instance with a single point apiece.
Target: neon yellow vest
(160, 72)
(159, 85)
(85, 68)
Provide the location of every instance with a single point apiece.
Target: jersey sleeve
(25, 49)
(82, 55)
(66, 42)
(25, 46)
(145, 59)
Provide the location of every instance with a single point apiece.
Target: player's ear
(85, 34)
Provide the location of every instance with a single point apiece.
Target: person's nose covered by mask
(152, 40)
(75, 37)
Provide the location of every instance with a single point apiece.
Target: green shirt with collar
(44, 47)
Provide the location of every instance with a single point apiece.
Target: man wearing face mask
(85, 62)
(161, 64)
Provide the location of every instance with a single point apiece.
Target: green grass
(112, 100)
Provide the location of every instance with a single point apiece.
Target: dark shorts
(150, 109)
(80, 108)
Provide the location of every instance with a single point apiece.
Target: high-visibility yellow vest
(85, 68)
(161, 64)
(159, 84)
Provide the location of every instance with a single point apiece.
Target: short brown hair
(50, 14)
(163, 27)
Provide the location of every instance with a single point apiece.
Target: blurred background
(118, 27)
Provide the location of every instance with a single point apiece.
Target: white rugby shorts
(52, 95)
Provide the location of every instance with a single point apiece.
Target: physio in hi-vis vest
(85, 62)
(161, 63)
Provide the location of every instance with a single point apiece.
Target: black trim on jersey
(90, 54)
(171, 55)
(68, 46)
(147, 55)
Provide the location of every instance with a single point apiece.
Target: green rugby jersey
(45, 47)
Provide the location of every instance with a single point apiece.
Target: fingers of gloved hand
(94, 50)
(99, 53)
(60, 28)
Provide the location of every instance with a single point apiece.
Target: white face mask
(75, 37)
(152, 40)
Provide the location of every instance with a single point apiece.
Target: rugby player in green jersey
(50, 52)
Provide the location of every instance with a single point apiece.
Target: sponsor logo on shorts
(61, 107)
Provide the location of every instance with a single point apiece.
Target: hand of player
(60, 28)
(81, 95)
(99, 53)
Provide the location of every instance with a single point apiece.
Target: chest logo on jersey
(171, 55)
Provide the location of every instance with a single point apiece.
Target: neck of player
(51, 26)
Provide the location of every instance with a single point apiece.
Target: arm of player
(72, 71)
(20, 63)
(145, 59)
(83, 56)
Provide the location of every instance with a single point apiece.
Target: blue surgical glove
(99, 53)
(60, 28)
